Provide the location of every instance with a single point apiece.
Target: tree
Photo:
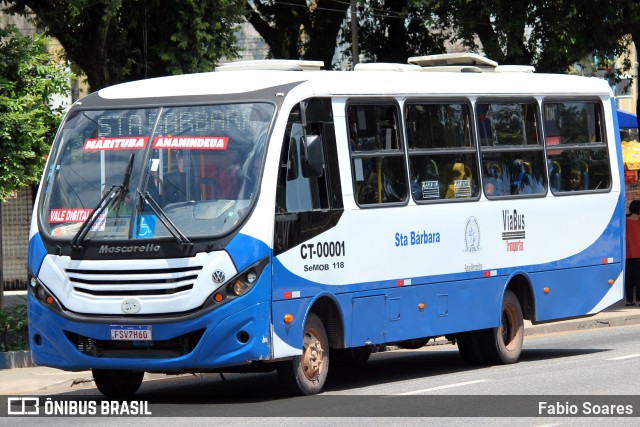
(114, 41)
(298, 29)
(394, 30)
(629, 17)
(548, 34)
(28, 83)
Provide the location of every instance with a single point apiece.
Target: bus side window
(576, 146)
(442, 156)
(511, 148)
(297, 192)
(377, 159)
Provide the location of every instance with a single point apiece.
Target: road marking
(629, 356)
(442, 387)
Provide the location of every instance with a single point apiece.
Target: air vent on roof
(458, 60)
(465, 62)
(386, 66)
(272, 64)
(515, 69)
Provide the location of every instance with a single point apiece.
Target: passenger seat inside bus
(493, 180)
(555, 175)
(459, 182)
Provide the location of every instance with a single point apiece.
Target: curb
(582, 324)
(16, 359)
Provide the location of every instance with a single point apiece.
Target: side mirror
(313, 158)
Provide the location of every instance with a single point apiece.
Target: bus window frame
(382, 153)
(522, 148)
(471, 150)
(580, 146)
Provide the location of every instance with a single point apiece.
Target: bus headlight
(40, 292)
(252, 276)
(239, 285)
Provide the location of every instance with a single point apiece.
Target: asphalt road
(562, 370)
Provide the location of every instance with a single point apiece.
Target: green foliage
(298, 29)
(13, 328)
(550, 35)
(395, 30)
(114, 41)
(28, 83)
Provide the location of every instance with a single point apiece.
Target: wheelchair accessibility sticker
(146, 228)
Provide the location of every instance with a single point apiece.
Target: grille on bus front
(160, 281)
(175, 347)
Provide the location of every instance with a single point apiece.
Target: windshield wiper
(116, 192)
(164, 218)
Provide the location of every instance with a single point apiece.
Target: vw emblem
(131, 306)
(218, 276)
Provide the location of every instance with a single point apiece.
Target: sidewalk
(37, 380)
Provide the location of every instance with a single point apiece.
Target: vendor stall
(631, 160)
(628, 124)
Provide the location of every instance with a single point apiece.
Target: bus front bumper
(227, 336)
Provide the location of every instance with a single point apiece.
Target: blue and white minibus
(271, 216)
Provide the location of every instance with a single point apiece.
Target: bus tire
(503, 345)
(117, 383)
(350, 357)
(469, 348)
(306, 374)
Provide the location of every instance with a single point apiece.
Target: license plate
(131, 332)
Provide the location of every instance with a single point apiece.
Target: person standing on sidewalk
(632, 270)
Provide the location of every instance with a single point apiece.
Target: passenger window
(577, 154)
(377, 159)
(512, 153)
(442, 157)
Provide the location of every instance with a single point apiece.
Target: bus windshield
(194, 166)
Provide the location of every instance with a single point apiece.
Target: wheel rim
(509, 327)
(312, 355)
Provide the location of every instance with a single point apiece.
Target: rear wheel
(306, 374)
(351, 357)
(503, 345)
(117, 383)
(469, 348)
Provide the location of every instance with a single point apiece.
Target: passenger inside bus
(180, 185)
(578, 178)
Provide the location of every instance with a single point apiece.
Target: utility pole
(354, 33)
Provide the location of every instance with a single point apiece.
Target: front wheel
(117, 383)
(503, 345)
(306, 374)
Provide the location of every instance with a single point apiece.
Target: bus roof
(354, 83)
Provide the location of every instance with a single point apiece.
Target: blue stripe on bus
(593, 255)
(37, 252)
(245, 250)
(454, 302)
